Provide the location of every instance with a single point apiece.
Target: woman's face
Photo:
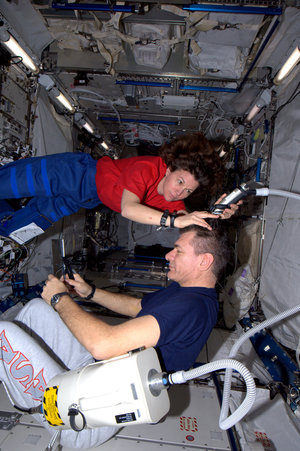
(177, 185)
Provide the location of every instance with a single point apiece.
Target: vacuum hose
(276, 192)
(225, 421)
(227, 383)
(182, 376)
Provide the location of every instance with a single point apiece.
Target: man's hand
(82, 288)
(53, 286)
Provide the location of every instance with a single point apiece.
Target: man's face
(178, 185)
(183, 262)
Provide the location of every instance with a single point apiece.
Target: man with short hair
(176, 320)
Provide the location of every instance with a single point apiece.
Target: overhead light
(83, 122)
(263, 100)
(15, 48)
(103, 144)
(62, 99)
(237, 132)
(288, 66)
(234, 137)
(88, 127)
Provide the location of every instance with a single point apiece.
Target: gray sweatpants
(33, 349)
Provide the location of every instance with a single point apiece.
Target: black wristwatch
(173, 216)
(91, 295)
(163, 220)
(56, 298)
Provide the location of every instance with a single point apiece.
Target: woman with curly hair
(140, 188)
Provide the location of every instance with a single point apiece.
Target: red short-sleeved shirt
(139, 175)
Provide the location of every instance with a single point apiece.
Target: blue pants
(58, 184)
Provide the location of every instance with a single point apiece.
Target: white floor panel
(24, 438)
(191, 423)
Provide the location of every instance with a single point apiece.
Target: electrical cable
(298, 353)
(282, 193)
(292, 97)
(30, 410)
(155, 135)
(90, 91)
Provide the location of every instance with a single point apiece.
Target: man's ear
(206, 261)
(168, 171)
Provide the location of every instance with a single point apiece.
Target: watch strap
(164, 218)
(56, 298)
(92, 292)
(172, 219)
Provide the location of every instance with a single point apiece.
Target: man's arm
(102, 340)
(117, 302)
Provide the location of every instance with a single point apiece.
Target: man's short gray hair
(213, 241)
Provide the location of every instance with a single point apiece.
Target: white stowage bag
(238, 295)
(217, 59)
(154, 54)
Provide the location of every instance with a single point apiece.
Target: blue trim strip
(13, 182)
(140, 121)
(234, 9)
(207, 88)
(258, 169)
(143, 83)
(30, 181)
(132, 268)
(45, 177)
(261, 49)
(229, 431)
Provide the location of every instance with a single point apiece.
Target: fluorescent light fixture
(264, 100)
(234, 137)
(288, 66)
(15, 48)
(103, 144)
(88, 127)
(237, 132)
(253, 112)
(83, 122)
(62, 99)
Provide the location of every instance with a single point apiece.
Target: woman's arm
(132, 209)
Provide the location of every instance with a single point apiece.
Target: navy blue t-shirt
(186, 316)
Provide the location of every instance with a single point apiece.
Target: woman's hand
(82, 288)
(231, 210)
(196, 217)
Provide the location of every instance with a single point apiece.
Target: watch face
(55, 299)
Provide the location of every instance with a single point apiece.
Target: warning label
(263, 438)
(50, 406)
(188, 424)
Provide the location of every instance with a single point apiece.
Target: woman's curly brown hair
(195, 154)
